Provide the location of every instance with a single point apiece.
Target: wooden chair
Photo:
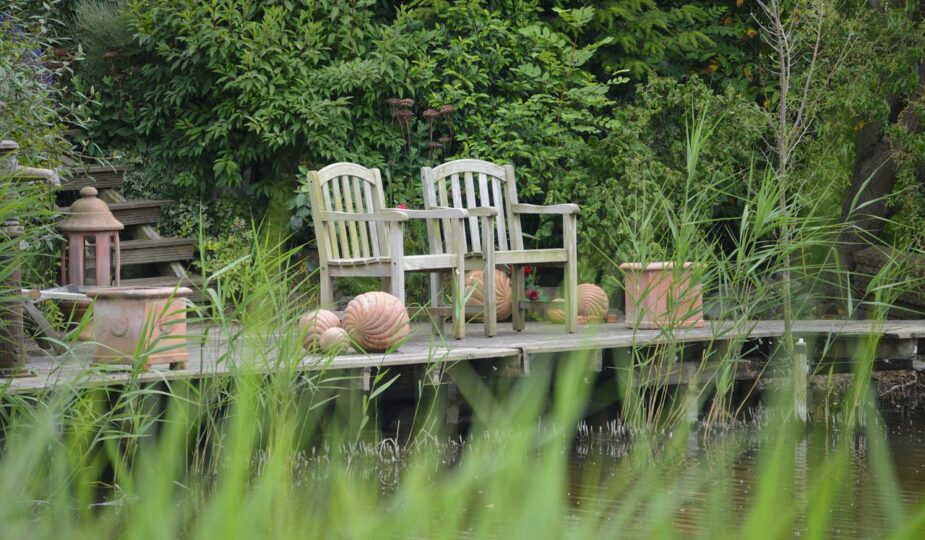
(471, 183)
(358, 236)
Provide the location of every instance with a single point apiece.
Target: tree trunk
(864, 206)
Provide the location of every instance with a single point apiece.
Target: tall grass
(277, 450)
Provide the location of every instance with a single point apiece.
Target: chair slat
(352, 226)
(444, 201)
(500, 222)
(341, 226)
(457, 203)
(378, 197)
(332, 234)
(361, 207)
(510, 187)
(374, 237)
(474, 233)
(484, 196)
(430, 201)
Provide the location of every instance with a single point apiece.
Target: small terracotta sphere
(592, 302)
(334, 340)
(314, 323)
(376, 321)
(556, 312)
(503, 297)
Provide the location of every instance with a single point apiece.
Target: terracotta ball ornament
(556, 312)
(503, 297)
(334, 340)
(592, 302)
(376, 321)
(314, 323)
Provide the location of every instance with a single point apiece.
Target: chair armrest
(386, 215)
(31, 173)
(559, 209)
(483, 211)
(440, 212)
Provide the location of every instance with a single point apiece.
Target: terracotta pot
(146, 319)
(662, 295)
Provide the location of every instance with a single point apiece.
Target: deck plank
(209, 354)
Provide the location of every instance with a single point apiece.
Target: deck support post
(366, 379)
(800, 385)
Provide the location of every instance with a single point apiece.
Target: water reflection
(716, 478)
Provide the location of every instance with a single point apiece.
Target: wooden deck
(209, 353)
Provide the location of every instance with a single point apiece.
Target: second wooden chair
(471, 184)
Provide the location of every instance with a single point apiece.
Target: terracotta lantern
(92, 242)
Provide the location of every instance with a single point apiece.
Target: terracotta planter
(145, 319)
(662, 295)
(74, 312)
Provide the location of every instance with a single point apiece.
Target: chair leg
(517, 286)
(570, 287)
(488, 276)
(490, 299)
(327, 289)
(436, 288)
(459, 302)
(570, 283)
(397, 274)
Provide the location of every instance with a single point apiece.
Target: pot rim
(138, 292)
(664, 265)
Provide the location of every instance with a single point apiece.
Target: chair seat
(362, 261)
(531, 256)
(411, 262)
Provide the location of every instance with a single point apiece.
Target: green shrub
(29, 112)
(644, 159)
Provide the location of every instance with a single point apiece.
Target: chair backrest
(473, 183)
(348, 187)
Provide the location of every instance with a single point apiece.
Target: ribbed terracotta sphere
(376, 321)
(503, 296)
(592, 302)
(334, 340)
(314, 323)
(556, 312)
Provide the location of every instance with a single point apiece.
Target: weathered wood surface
(161, 250)
(473, 184)
(209, 354)
(136, 212)
(99, 176)
(358, 236)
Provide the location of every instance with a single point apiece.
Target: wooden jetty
(832, 344)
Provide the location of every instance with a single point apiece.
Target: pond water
(700, 477)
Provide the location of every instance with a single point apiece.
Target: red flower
(528, 270)
(401, 206)
(533, 294)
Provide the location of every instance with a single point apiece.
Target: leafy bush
(644, 158)
(717, 40)
(28, 109)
